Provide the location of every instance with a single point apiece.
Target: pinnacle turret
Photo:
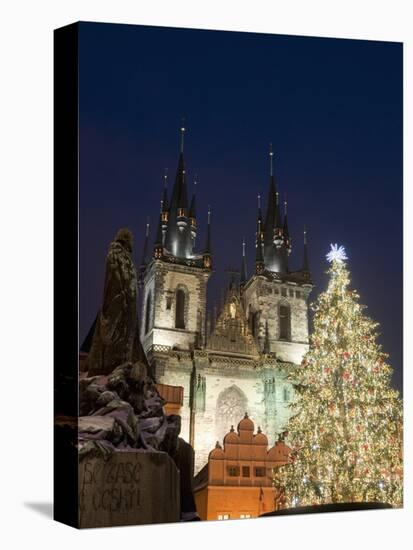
(306, 264)
(243, 277)
(207, 255)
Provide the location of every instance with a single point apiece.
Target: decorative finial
(277, 198)
(243, 246)
(337, 254)
(217, 445)
(259, 201)
(195, 181)
(246, 415)
(285, 203)
(232, 428)
(209, 214)
(147, 226)
(259, 430)
(183, 129)
(161, 206)
(305, 235)
(271, 160)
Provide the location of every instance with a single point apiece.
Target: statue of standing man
(115, 332)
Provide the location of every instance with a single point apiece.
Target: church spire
(192, 208)
(259, 259)
(207, 256)
(165, 191)
(145, 245)
(158, 248)
(192, 213)
(178, 241)
(306, 265)
(243, 278)
(286, 234)
(183, 129)
(270, 216)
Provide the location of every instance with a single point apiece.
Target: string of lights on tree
(346, 426)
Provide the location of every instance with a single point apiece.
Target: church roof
(246, 424)
(231, 333)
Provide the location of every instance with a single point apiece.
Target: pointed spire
(208, 239)
(270, 216)
(259, 258)
(145, 244)
(178, 241)
(207, 252)
(271, 160)
(306, 265)
(158, 248)
(165, 191)
(285, 226)
(192, 208)
(243, 278)
(183, 129)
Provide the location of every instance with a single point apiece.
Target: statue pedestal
(129, 488)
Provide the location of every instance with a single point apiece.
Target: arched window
(285, 322)
(253, 322)
(180, 309)
(148, 313)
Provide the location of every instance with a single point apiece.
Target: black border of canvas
(65, 247)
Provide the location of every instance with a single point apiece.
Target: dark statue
(115, 332)
(119, 405)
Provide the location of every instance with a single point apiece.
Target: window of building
(260, 471)
(180, 309)
(148, 313)
(245, 471)
(169, 302)
(253, 322)
(285, 322)
(233, 471)
(283, 292)
(245, 516)
(297, 294)
(286, 394)
(223, 516)
(291, 293)
(276, 291)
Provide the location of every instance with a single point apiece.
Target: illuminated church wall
(260, 334)
(162, 283)
(265, 298)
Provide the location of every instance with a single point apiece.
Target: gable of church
(231, 333)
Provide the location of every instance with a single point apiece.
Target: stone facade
(240, 364)
(161, 283)
(228, 375)
(262, 298)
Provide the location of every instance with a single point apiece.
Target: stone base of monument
(129, 488)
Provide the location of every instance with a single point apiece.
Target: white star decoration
(337, 253)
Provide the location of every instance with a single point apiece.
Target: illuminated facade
(241, 361)
(236, 482)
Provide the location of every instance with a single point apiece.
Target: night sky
(332, 109)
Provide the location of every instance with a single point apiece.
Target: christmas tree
(346, 426)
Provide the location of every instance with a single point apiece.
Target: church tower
(275, 298)
(174, 279)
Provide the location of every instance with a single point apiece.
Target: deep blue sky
(332, 109)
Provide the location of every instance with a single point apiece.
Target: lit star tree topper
(346, 424)
(337, 253)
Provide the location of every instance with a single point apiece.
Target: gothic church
(239, 362)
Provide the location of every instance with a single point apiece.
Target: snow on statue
(346, 425)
